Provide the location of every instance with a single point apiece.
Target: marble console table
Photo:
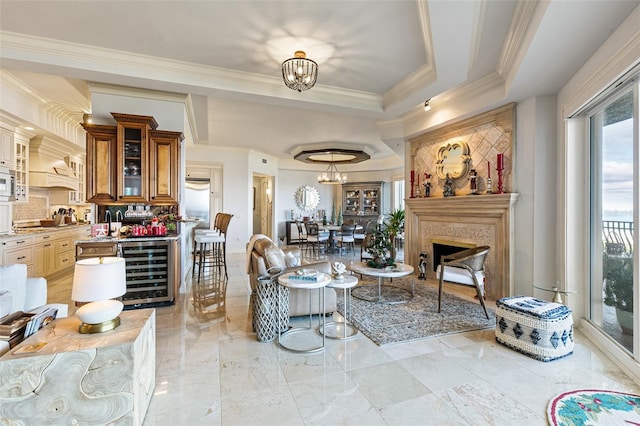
(105, 378)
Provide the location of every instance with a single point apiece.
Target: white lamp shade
(99, 279)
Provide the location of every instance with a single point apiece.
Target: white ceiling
(378, 60)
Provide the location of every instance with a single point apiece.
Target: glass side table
(337, 329)
(303, 339)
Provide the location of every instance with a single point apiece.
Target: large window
(614, 190)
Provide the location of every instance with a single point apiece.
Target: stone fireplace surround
(468, 220)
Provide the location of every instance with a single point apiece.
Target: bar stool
(210, 246)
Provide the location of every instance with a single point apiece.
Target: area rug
(594, 407)
(417, 319)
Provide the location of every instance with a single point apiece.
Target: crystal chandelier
(299, 73)
(332, 176)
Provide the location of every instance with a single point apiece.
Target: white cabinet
(21, 151)
(6, 148)
(5, 216)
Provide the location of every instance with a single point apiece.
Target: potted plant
(618, 289)
(381, 249)
(394, 223)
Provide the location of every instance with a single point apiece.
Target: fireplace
(442, 247)
(482, 220)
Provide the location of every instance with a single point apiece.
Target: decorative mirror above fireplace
(307, 198)
(453, 160)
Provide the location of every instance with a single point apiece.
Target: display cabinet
(21, 163)
(362, 201)
(132, 162)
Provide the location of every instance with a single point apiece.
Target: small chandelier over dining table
(299, 73)
(332, 176)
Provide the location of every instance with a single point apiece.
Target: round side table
(336, 329)
(305, 335)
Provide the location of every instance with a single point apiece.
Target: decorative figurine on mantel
(427, 185)
(473, 182)
(448, 190)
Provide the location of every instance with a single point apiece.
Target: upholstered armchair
(265, 258)
(19, 293)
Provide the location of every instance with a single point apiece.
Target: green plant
(394, 223)
(618, 286)
(381, 249)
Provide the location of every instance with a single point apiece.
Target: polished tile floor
(211, 370)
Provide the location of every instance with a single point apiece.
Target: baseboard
(619, 357)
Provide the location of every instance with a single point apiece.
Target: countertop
(123, 239)
(33, 230)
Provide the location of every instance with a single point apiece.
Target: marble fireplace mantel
(468, 219)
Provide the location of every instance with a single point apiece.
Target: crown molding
(523, 23)
(173, 73)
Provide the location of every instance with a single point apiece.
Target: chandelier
(332, 176)
(299, 73)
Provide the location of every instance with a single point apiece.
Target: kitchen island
(152, 266)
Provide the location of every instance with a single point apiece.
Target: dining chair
(464, 267)
(346, 239)
(361, 232)
(315, 238)
(302, 235)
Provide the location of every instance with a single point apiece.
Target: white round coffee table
(291, 280)
(386, 293)
(336, 329)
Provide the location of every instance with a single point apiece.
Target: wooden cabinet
(362, 201)
(101, 164)
(164, 156)
(132, 162)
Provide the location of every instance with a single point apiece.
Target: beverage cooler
(151, 272)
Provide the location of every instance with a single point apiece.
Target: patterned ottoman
(537, 328)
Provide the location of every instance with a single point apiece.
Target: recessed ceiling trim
(332, 155)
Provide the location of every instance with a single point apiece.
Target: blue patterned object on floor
(537, 328)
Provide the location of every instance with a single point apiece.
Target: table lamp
(98, 280)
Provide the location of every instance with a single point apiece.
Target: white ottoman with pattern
(539, 329)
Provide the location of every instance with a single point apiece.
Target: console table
(103, 378)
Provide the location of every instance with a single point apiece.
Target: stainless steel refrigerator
(198, 200)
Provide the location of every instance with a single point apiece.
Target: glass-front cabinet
(133, 156)
(362, 201)
(132, 162)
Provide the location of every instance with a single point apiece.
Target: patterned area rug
(594, 407)
(417, 319)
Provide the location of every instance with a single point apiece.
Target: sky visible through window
(617, 184)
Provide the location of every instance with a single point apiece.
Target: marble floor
(211, 370)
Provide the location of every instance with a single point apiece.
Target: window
(614, 166)
(398, 193)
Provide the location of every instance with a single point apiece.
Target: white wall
(534, 180)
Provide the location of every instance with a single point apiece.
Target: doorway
(203, 193)
(263, 205)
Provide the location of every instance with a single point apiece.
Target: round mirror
(307, 198)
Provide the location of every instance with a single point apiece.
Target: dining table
(333, 230)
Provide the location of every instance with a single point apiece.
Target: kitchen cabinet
(44, 253)
(164, 155)
(77, 165)
(6, 148)
(21, 162)
(132, 162)
(362, 201)
(6, 214)
(101, 164)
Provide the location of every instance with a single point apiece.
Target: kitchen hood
(47, 167)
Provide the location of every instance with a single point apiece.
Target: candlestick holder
(412, 195)
(500, 183)
(489, 185)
